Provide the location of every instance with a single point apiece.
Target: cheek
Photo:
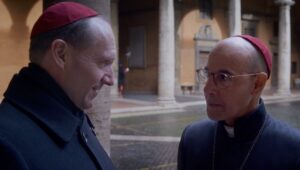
(237, 100)
(94, 78)
(228, 98)
(93, 75)
(230, 105)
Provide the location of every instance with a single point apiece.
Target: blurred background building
(197, 25)
(164, 42)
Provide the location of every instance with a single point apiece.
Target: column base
(166, 101)
(283, 92)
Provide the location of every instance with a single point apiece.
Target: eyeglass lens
(220, 79)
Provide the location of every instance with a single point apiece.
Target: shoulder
(195, 145)
(282, 141)
(200, 127)
(8, 109)
(17, 127)
(281, 129)
(10, 158)
(282, 134)
(9, 115)
(12, 118)
(199, 131)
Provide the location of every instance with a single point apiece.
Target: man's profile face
(228, 103)
(91, 68)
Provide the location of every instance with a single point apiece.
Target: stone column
(100, 113)
(178, 12)
(19, 11)
(234, 17)
(115, 27)
(166, 69)
(284, 51)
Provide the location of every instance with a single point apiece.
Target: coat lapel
(89, 139)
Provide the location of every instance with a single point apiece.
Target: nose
(210, 86)
(108, 77)
(108, 80)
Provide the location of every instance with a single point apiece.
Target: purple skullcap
(262, 48)
(61, 14)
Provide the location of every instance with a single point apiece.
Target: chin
(88, 106)
(214, 116)
(88, 101)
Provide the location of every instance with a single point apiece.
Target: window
(136, 51)
(294, 67)
(249, 24)
(206, 7)
(249, 27)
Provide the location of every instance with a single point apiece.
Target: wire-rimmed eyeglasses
(221, 79)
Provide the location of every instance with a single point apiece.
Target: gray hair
(76, 34)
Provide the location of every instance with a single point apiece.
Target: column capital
(285, 2)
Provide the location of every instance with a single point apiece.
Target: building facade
(197, 26)
(164, 42)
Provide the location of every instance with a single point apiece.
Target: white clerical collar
(229, 130)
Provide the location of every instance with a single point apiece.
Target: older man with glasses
(240, 135)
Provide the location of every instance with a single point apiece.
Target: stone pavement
(145, 136)
(143, 104)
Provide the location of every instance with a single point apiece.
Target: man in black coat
(42, 123)
(240, 135)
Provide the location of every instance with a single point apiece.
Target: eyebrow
(220, 71)
(225, 71)
(107, 61)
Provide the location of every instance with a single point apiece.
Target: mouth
(213, 104)
(95, 90)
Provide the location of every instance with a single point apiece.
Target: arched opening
(18, 17)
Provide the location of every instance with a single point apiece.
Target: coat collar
(247, 127)
(34, 91)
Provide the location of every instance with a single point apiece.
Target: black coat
(41, 129)
(277, 148)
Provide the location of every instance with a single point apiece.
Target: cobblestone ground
(130, 155)
(158, 155)
(149, 155)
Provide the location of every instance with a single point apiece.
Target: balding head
(239, 47)
(262, 48)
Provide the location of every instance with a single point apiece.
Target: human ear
(261, 79)
(58, 50)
